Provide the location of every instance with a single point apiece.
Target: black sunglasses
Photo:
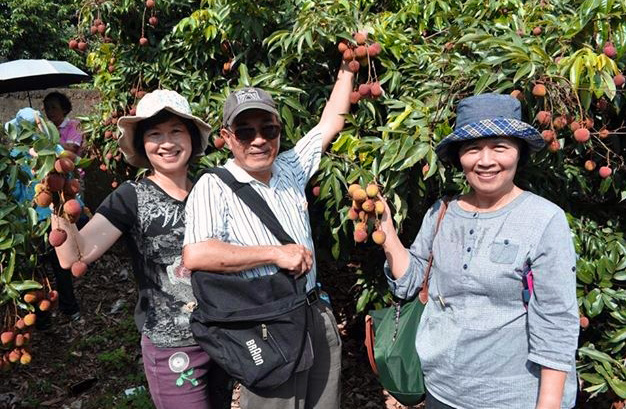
(247, 134)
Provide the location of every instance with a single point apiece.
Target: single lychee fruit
(539, 90)
(227, 67)
(315, 191)
(103, 167)
(149, 4)
(53, 295)
(548, 135)
(619, 80)
(19, 324)
(374, 49)
(71, 188)
(360, 38)
(376, 90)
(554, 146)
(57, 237)
(7, 337)
(72, 208)
(43, 199)
(544, 118)
(372, 190)
(63, 165)
(19, 340)
(360, 236)
(30, 297)
(78, 268)
(584, 322)
(582, 135)
(609, 50)
(101, 28)
(219, 142)
(44, 305)
(82, 46)
(353, 188)
(360, 195)
(73, 44)
(29, 319)
(39, 187)
(143, 41)
(353, 214)
(425, 169)
(517, 94)
(605, 172)
(364, 90)
(14, 356)
(589, 123)
(354, 66)
(575, 125)
(25, 358)
(368, 206)
(55, 182)
(153, 21)
(590, 165)
(355, 97)
(379, 237)
(537, 31)
(348, 55)
(342, 46)
(93, 29)
(379, 207)
(360, 52)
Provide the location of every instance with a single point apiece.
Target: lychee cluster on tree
(360, 53)
(365, 212)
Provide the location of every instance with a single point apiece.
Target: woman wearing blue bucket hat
(500, 328)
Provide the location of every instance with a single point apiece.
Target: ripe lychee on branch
(365, 212)
(358, 53)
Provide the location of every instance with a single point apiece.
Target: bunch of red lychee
(365, 212)
(15, 342)
(59, 188)
(359, 53)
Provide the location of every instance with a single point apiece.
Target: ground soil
(92, 362)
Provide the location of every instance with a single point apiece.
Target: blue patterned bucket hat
(488, 115)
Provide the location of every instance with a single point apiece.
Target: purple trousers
(184, 377)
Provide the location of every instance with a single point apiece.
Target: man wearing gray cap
(223, 235)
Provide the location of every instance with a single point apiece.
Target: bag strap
(254, 201)
(423, 294)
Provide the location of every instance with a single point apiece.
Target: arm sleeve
(304, 159)
(72, 134)
(120, 207)
(205, 211)
(553, 310)
(408, 285)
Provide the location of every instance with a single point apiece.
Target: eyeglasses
(247, 134)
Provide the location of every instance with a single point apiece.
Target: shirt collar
(66, 121)
(244, 177)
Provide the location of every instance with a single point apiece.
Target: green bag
(399, 367)
(390, 341)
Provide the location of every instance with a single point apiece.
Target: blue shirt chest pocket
(503, 251)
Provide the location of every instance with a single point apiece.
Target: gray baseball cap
(244, 99)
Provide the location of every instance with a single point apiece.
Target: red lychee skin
(82, 46)
(63, 165)
(554, 146)
(574, 126)
(348, 55)
(590, 165)
(360, 236)
(219, 143)
(374, 49)
(7, 337)
(376, 90)
(605, 172)
(360, 38)
(548, 135)
(71, 188)
(316, 191)
(143, 41)
(355, 97)
(55, 182)
(582, 135)
(559, 122)
(539, 90)
(544, 118)
(153, 21)
(354, 66)
(609, 50)
(73, 44)
(537, 31)
(29, 319)
(43, 199)
(342, 46)
(360, 51)
(79, 268)
(57, 237)
(149, 4)
(72, 208)
(364, 90)
(619, 80)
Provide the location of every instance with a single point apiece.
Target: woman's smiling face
(490, 164)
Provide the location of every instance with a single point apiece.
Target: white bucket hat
(151, 104)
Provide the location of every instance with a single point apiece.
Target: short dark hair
(62, 99)
(163, 116)
(455, 147)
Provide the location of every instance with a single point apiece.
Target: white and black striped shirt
(213, 211)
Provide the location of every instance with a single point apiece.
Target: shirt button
(469, 249)
(471, 231)
(464, 266)
(506, 241)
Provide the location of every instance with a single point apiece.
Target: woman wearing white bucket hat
(164, 136)
(500, 327)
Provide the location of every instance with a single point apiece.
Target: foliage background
(434, 53)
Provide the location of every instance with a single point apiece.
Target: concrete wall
(82, 101)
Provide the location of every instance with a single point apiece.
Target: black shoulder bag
(254, 328)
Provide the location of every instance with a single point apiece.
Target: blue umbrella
(26, 75)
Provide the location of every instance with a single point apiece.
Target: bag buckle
(312, 296)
